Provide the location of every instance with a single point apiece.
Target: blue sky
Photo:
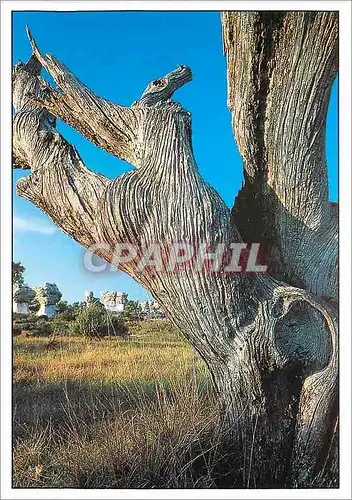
(117, 54)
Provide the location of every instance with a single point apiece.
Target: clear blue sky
(117, 54)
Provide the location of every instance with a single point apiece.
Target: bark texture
(281, 67)
(270, 341)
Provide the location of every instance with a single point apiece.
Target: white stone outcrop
(114, 301)
(145, 306)
(48, 295)
(151, 309)
(22, 297)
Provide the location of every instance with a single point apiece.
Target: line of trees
(92, 321)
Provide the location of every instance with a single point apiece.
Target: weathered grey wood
(281, 67)
(271, 347)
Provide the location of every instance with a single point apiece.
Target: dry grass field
(115, 413)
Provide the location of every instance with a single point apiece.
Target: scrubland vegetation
(133, 412)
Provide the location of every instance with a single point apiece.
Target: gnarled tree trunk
(269, 340)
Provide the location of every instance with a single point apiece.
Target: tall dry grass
(135, 413)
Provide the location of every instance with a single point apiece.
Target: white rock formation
(114, 301)
(156, 310)
(89, 298)
(145, 306)
(155, 306)
(48, 295)
(22, 297)
(151, 308)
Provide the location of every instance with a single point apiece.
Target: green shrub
(132, 310)
(91, 321)
(38, 326)
(94, 321)
(16, 330)
(60, 325)
(68, 311)
(115, 325)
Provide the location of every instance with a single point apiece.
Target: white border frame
(344, 7)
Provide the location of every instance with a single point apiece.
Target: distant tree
(17, 274)
(132, 310)
(60, 325)
(77, 305)
(68, 311)
(31, 325)
(34, 305)
(62, 306)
